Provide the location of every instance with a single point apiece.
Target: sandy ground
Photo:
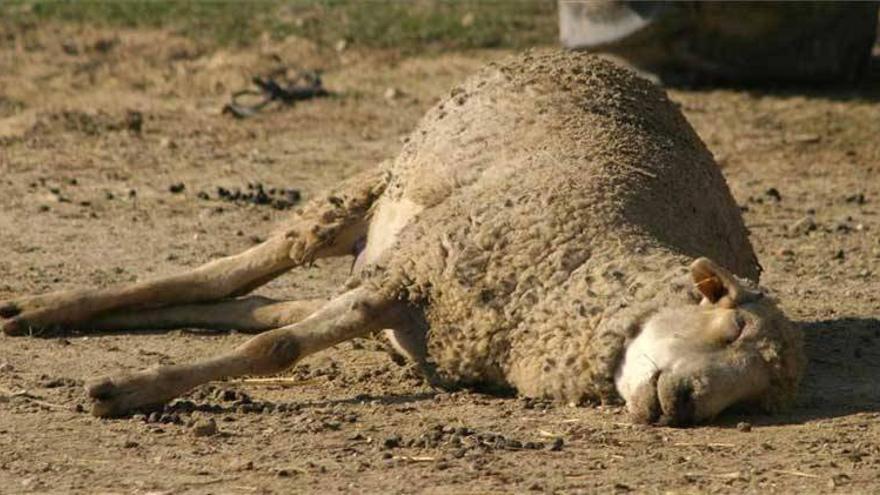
(96, 126)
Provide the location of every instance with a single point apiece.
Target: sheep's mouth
(644, 405)
(664, 402)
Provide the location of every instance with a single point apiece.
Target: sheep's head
(689, 363)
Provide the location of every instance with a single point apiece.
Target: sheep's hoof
(117, 396)
(9, 309)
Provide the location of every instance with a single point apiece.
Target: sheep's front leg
(327, 226)
(218, 279)
(350, 315)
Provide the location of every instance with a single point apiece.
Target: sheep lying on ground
(543, 230)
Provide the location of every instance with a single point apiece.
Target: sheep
(553, 227)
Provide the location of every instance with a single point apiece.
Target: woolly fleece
(563, 199)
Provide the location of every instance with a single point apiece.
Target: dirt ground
(96, 126)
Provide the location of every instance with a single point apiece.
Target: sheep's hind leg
(350, 315)
(251, 314)
(327, 226)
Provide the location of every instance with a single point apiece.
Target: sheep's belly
(391, 216)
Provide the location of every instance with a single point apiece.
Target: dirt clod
(858, 199)
(773, 194)
(134, 121)
(205, 428)
(257, 194)
(391, 442)
(803, 226)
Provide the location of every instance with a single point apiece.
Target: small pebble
(392, 94)
(744, 426)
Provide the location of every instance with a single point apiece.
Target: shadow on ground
(842, 376)
(866, 88)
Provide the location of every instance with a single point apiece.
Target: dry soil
(96, 126)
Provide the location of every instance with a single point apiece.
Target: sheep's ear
(719, 286)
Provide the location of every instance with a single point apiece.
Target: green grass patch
(414, 25)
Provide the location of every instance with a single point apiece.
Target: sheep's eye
(750, 297)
